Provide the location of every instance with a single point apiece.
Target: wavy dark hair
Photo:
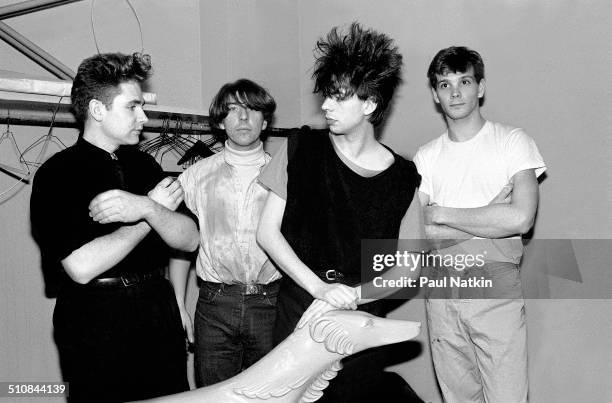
(455, 59)
(98, 77)
(362, 62)
(245, 92)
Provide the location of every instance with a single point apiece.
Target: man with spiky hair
(101, 213)
(329, 189)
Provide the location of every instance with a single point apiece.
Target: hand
(505, 195)
(187, 323)
(339, 295)
(117, 206)
(315, 310)
(168, 192)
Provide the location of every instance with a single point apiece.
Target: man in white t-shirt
(479, 192)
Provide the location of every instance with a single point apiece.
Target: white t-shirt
(471, 173)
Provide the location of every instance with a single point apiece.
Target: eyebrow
(136, 101)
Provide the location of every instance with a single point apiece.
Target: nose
(243, 113)
(143, 117)
(327, 103)
(455, 93)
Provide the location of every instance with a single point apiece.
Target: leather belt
(126, 280)
(245, 289)
(330, 275)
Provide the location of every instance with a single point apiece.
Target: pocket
(208, 294)
(270, 299)
(506, 280)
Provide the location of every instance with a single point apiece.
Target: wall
(547, 71)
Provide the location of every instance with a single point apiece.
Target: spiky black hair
(362, 62)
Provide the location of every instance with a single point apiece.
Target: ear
(96, 109)
(435, 95)
(264, 125)
(481, 88)
(369, 106)
(221, 126)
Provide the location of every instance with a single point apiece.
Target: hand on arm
(497, 220)
(274, 243)
(157, 209)
(178, 273)
(442, 236)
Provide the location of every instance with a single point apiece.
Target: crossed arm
(155, 211)
(500, 218)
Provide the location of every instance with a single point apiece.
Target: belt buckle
(126, 281)
(331, 275)
(252, 289)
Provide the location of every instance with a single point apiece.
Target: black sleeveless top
(330, 208)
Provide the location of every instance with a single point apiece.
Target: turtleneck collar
(254, 157)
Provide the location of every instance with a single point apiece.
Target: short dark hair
(362, 62)
(99, 77)
(245, 92)
(455, 59)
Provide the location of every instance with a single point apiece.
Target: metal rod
(22, 44)
(23, 113)
(26, 7)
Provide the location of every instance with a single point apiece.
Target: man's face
(243, 126)
(123, 120)
(458, 94)
(347, 115)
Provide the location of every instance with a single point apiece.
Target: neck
(356, 143)
(466, 128)
(244, 157)
(93, 135)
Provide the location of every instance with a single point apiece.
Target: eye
(443, 85)
(466, 82)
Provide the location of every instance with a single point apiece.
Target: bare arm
(178, 273)
(442, 236)
(274, 243)
(103, 253)
(494, 220)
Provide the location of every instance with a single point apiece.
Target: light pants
(479, 349)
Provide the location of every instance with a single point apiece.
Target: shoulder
(407, 169)
(204, 166)
(305, 139)
(431, 146)
(66, 159)
(503, 132)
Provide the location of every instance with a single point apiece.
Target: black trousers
(119, 343)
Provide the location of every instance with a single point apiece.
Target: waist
(243, 289)
(337, 276)
(126, 280)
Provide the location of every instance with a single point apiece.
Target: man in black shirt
(102, 213)
(330, 189)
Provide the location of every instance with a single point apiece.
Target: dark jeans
(120, 344)
(232, 330)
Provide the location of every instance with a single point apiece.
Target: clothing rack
(37, 113)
